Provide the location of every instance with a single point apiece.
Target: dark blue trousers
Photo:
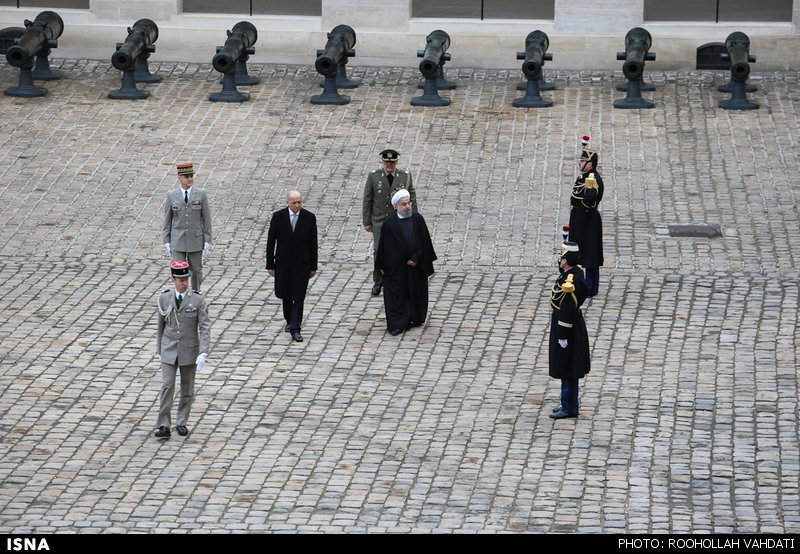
(592, 276)
(569, 396)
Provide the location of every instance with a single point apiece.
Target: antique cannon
(131, 58)
(433, 59)
(39, 38)
(637, 51)
(738, 52)
(535, 54)
(231, 60)
(331, 64)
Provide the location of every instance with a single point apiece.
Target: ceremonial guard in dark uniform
(382, 184)
(569, 341)
(585, 223)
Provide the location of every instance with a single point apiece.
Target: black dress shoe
(182, 430)
(558, 409)
(562, 414)
(286, 328)
(376, 290)
(395, 332)
(163, 432)
(296, 335)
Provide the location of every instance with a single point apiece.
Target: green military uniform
(377, 203)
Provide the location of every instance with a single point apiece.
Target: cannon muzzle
(240, 39)
(436, 51)
(637, 51)
(40, 34)
(536, 44)
(141, 36)
(338, 48)
(738, 52)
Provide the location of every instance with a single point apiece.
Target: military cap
(389, 155)
(186, 169)
(180, 270)
(571, 252)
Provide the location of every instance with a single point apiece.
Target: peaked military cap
(186, 169)
(389, 155)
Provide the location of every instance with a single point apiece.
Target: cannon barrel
(738, 46)
(40, 33)
(536, 45)
(436, 50)
(637, 50)
(143, 34)
(240, 38)
(339, 46)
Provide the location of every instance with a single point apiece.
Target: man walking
(405, 261)
(381, 185)
(187, 224)
(183, 344)
(292, 258)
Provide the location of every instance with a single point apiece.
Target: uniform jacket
(377, 203)
(186, 226)
(292, 254)
(182, 333)
(566, 297)
(585, 223)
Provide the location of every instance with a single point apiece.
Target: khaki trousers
(195, 260)
(168, 375)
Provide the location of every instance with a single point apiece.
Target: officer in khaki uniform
(187, 224)
(381, 185)
(183, 344)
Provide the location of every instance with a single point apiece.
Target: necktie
(186, 197)
(390, 178)
(180, 299)
(294, 220)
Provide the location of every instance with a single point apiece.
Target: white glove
(158, 357)
(562, 343)
(206, 246)
(169, 249)
(201, 361)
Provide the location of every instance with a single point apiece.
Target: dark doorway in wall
(484, 9)
(718, 11)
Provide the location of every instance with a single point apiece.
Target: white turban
(402, 193)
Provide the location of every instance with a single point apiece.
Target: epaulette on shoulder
(375, 170)
(568, 286)
(197, 292)
(165, 290)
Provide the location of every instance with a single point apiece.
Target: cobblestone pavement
(689, 418)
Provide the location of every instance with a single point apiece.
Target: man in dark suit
(292, 258)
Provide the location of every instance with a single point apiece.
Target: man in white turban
(405, 259)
